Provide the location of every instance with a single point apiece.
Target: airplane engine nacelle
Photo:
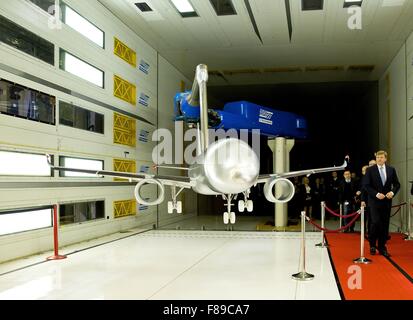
(158, 200)
(284, 190)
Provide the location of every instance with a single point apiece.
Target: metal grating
(124, 90)
(124, 130)
(124, 52)
(124, 165)
(124, 208)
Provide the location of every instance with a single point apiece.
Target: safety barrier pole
(409, 223)
(362, 258)
(323, 243)
(341, 218)
(56, 255)
(302, 275)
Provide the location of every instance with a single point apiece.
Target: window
(78, 67)
(79, 163)
(24, 40)
(24, 164)
(25, 220)
(46, 5)
(81, 211)
(83, 26)
(77, 117)
(19, 101)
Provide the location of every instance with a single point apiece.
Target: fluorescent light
(83, 26)
(349, 3)
(23, 164)
(183, 6)
(393, 3)
(81, 69)
(12, 222)
(77, 163)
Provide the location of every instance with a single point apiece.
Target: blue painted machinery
(244, 115)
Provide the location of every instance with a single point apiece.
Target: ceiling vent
(307, 5)
(362, 68)
(282, 69)
(143, 6)
(324, 68)
(241, 71)
(223, 7)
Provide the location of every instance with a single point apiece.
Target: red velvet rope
(397, 211)
(338, 215)
(336, 230)
(399, 205)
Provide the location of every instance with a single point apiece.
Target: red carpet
(380, 280)
(401, 252)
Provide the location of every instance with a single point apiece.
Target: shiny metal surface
(229, 166)
(284, 190)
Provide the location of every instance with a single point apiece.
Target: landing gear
(174, 204)
(229, 216)
(245, 204)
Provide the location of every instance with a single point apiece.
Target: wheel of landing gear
(226, 217)
(179, 206)
(241, 205)
(250, 205)
(232, 217)
(170, 207)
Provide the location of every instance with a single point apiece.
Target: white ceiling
(319, 38)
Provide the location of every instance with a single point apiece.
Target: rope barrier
(342, 216)
(397, 211)
(399, 205)
(336, 230)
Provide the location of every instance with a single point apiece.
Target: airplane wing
(179, 181)
(265, 177)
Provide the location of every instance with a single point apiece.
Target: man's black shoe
(384, 253)
(372, 251)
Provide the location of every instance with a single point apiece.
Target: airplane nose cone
(231, 166)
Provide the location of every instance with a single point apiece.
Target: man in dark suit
(381, 183)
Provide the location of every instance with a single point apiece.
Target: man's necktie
(383, 178)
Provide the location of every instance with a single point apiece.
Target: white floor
(179, 265)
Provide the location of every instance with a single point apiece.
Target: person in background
(306, 193)
(381, 183)
(347, 193)
(333, 190)
(319, 192)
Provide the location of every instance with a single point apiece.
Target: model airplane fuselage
(227, 167)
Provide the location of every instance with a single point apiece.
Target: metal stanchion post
(302, 275)
(323, 243)
(341, 218)
(56, 255)
(362, 259)
(409, 222)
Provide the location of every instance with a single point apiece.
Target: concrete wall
(23, 135)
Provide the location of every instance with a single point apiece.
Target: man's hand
(389, 195)
(358, 193)
(380, 196)
(363, 203)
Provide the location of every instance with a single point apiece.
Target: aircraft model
(215, 171)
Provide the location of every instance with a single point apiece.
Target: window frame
(88, 110)
(62, 164)
(28, 209)
(78, 202)
(31, 153)
(63, 6)
(37, 91)
(46, 42)
(62, 64)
